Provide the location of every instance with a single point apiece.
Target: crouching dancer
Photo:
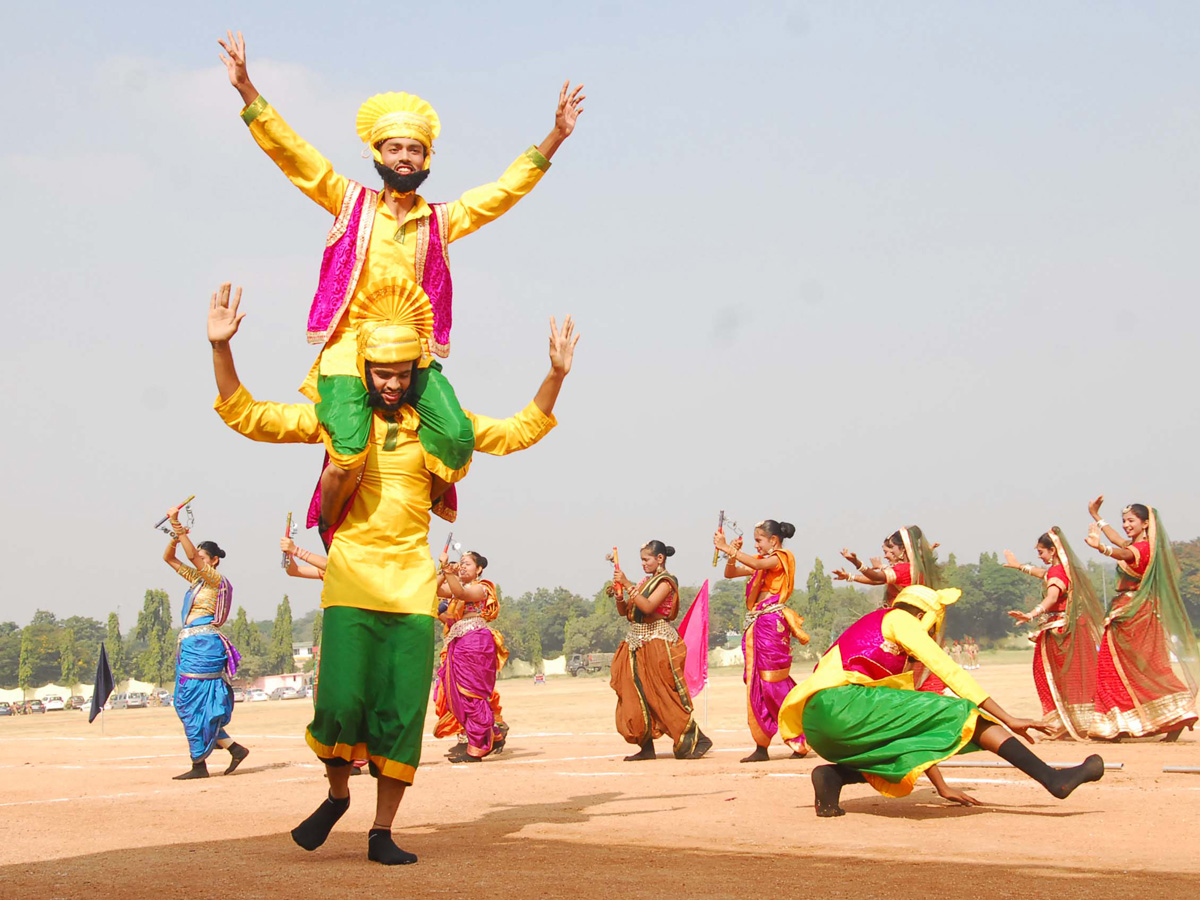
(860, 712)
(379, 592)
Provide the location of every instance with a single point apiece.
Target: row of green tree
(538, 624)
(65, 651)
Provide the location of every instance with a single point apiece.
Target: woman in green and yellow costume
(381, 236)
(859, 711)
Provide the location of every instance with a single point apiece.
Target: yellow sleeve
(187, 573)
(499, 437)
(297, 159)
(275, 423)
(209, 576)
(904, 629)
(481, 205)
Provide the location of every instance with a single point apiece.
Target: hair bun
(787, 529)
(669, 551)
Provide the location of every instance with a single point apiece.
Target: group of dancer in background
(1111, 675)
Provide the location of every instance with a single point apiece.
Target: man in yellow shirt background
(386, 235)
(379, 593)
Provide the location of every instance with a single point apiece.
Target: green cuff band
(252, 112)
(532, 154)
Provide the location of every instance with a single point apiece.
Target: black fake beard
(375, 401)
(401, 184)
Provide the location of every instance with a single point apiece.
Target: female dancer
(1138, 693)
(205, 661)
(474, 653)
(768, 631)
(909, 560)
(647, 669)
(1067, 633)
(859, 711)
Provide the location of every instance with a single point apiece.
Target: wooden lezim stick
(158, 524)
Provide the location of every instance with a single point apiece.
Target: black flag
(104, 685)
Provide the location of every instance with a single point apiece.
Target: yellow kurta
(902, 629)
(391, 252)
(380, 558)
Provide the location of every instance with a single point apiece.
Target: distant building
(302, 652)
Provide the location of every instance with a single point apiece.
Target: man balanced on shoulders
(379, 235)
(379, 594)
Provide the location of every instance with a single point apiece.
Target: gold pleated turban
(395, 322)
(932, 603)
(397, 115)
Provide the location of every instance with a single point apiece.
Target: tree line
(539, 624)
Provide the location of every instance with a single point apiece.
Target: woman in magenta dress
(1066, 634)
(770, 627)
(1149, 667)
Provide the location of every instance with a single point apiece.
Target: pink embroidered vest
(865, 650)
(346, 250)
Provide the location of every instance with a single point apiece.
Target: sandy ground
(559, 814)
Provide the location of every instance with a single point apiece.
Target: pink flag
(694, 631)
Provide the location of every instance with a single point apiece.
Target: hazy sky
(850, 265)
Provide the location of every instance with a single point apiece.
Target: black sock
(1059, 782)
(312, 832)
(382, 849)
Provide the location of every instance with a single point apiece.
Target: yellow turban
(397, 115)
(394, 321)
(932, 603)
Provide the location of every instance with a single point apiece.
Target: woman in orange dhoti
(1065, 638)
(769, 629)
(647, 669)
(1149, 668)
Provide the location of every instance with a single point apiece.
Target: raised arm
(282, 423)
(502, 436)
(307, 169)
(486, 203)
(1119, 541)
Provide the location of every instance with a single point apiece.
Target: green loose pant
(373, 689)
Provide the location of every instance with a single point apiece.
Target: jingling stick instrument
(185, 505)
(289, 530)
(615, 559)
(720, 528)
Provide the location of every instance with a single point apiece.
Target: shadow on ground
(487, 857)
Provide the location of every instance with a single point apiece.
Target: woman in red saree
(1149, 665)
(1065, 637)
(769, 629)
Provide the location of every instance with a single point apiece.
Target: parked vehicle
(129, 700)
(239, 696)
(78, 702)
(285, 692)
(590, 662)
(163, 698)
(256, 696)
(34, 706)
(5, 709)
(54, 703)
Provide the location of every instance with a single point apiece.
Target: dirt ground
(559, 814)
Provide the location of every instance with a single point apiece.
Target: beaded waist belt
(755, 614)
(642, 633)
(193, 630)
(465, 626)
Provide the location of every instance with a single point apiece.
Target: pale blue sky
(852, 265)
